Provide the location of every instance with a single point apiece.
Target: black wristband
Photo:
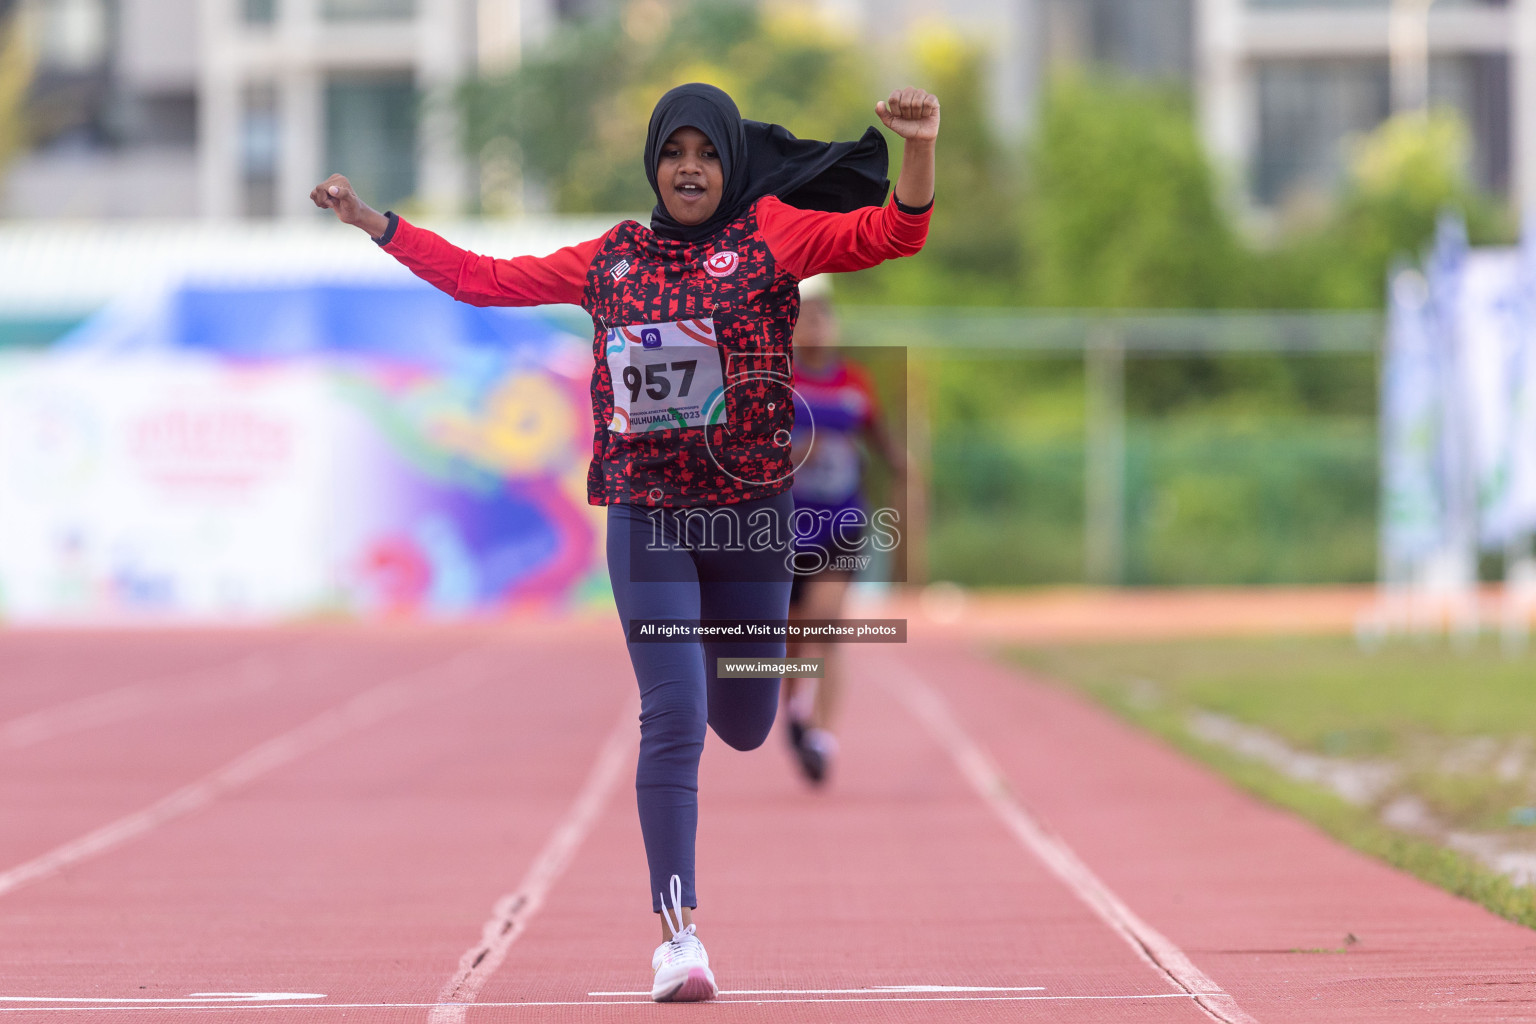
(394, 222)
(912, 211)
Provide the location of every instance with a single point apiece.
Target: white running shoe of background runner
(681, 965)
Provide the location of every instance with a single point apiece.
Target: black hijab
(760, 159)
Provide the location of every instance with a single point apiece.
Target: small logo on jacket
(721, 264)
(619, 270)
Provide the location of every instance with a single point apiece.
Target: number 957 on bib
(665, 376)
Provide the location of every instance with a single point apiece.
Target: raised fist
(336, 193)
(911, 113)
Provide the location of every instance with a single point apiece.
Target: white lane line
(74, 716)
(869, 990)
(865, 990)
(605, 1002)
(978, 768)
(511, 914)
(122, 702)
(219, 998)
(365, 709)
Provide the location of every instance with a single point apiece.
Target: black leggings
(682, 577)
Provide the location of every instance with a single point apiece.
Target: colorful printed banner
(228, 453)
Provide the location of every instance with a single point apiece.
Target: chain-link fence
(1141, 448)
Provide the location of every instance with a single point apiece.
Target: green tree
(1121, 205)
(972, 253)
(571, 119)
(1401, 177)
(573, 115)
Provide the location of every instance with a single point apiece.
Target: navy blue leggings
(682, 564)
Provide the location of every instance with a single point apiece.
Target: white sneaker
(681, 965)
(682, 970)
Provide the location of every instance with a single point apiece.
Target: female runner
(831, 508)
(692, 411)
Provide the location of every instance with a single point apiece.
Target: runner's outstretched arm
(478, 280)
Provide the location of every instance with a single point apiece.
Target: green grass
(1321, 694)
(1409, 702)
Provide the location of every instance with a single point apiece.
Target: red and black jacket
(735, 292)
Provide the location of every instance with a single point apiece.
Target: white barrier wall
(162, 487)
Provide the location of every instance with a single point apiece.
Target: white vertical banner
(1520, 493)
(1412, 510)
(1489, 332)
(1458, 475)
(1458, 422)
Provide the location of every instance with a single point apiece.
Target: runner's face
(816, 328)
(690, 177)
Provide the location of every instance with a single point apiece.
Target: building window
(259, 149)
(1146, 38)
(158, 118)
(1307, 109)
(572, 10)
(1477, 86)
(1359, 4)
(370, 135)
(1310, 109)
(1150, 38)
(69, 101)
(70, 36)
(357, 10)
(259, 12)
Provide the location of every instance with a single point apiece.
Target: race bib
(665, 376)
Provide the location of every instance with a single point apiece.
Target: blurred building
(233, 108)
(1009, 31)
(230, 108)
(1282, 84)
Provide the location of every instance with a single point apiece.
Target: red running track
(437, 826)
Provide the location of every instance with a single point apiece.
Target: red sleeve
(806, 242)
(483, 281)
